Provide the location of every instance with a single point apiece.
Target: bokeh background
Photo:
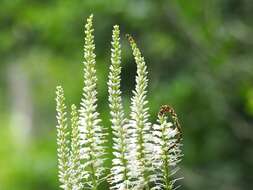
(200, 61)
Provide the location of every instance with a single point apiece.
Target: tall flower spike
(139, 123)
(119, 171)
(91, 132)
(167, 152)
(62, 140)
(144, 157)
(75, 167)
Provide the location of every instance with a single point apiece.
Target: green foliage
(200, 55)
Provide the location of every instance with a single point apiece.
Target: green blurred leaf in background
(200, 60)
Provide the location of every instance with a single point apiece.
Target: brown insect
(130, 38)
(168, 109)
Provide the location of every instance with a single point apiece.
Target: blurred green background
(200, 60)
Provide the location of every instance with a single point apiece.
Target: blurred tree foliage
(200, 59)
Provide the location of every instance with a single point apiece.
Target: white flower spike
(167, 154)
(139, 124)
(62, 140)
(145, 156)
(92, 134)
(120, 166)
(75, 165)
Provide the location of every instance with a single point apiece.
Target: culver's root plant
(145, 155)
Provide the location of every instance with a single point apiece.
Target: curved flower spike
(139, 122)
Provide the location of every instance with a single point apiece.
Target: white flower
(75, 165)
(139, 124)
(166, 153)
(120, 164)
(92, 135)
(62, 140)
(145, 156)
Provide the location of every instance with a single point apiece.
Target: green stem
(166, 157)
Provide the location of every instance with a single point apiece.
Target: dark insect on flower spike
(130, 38)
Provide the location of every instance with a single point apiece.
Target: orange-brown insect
(130, 38)
(168, 109)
